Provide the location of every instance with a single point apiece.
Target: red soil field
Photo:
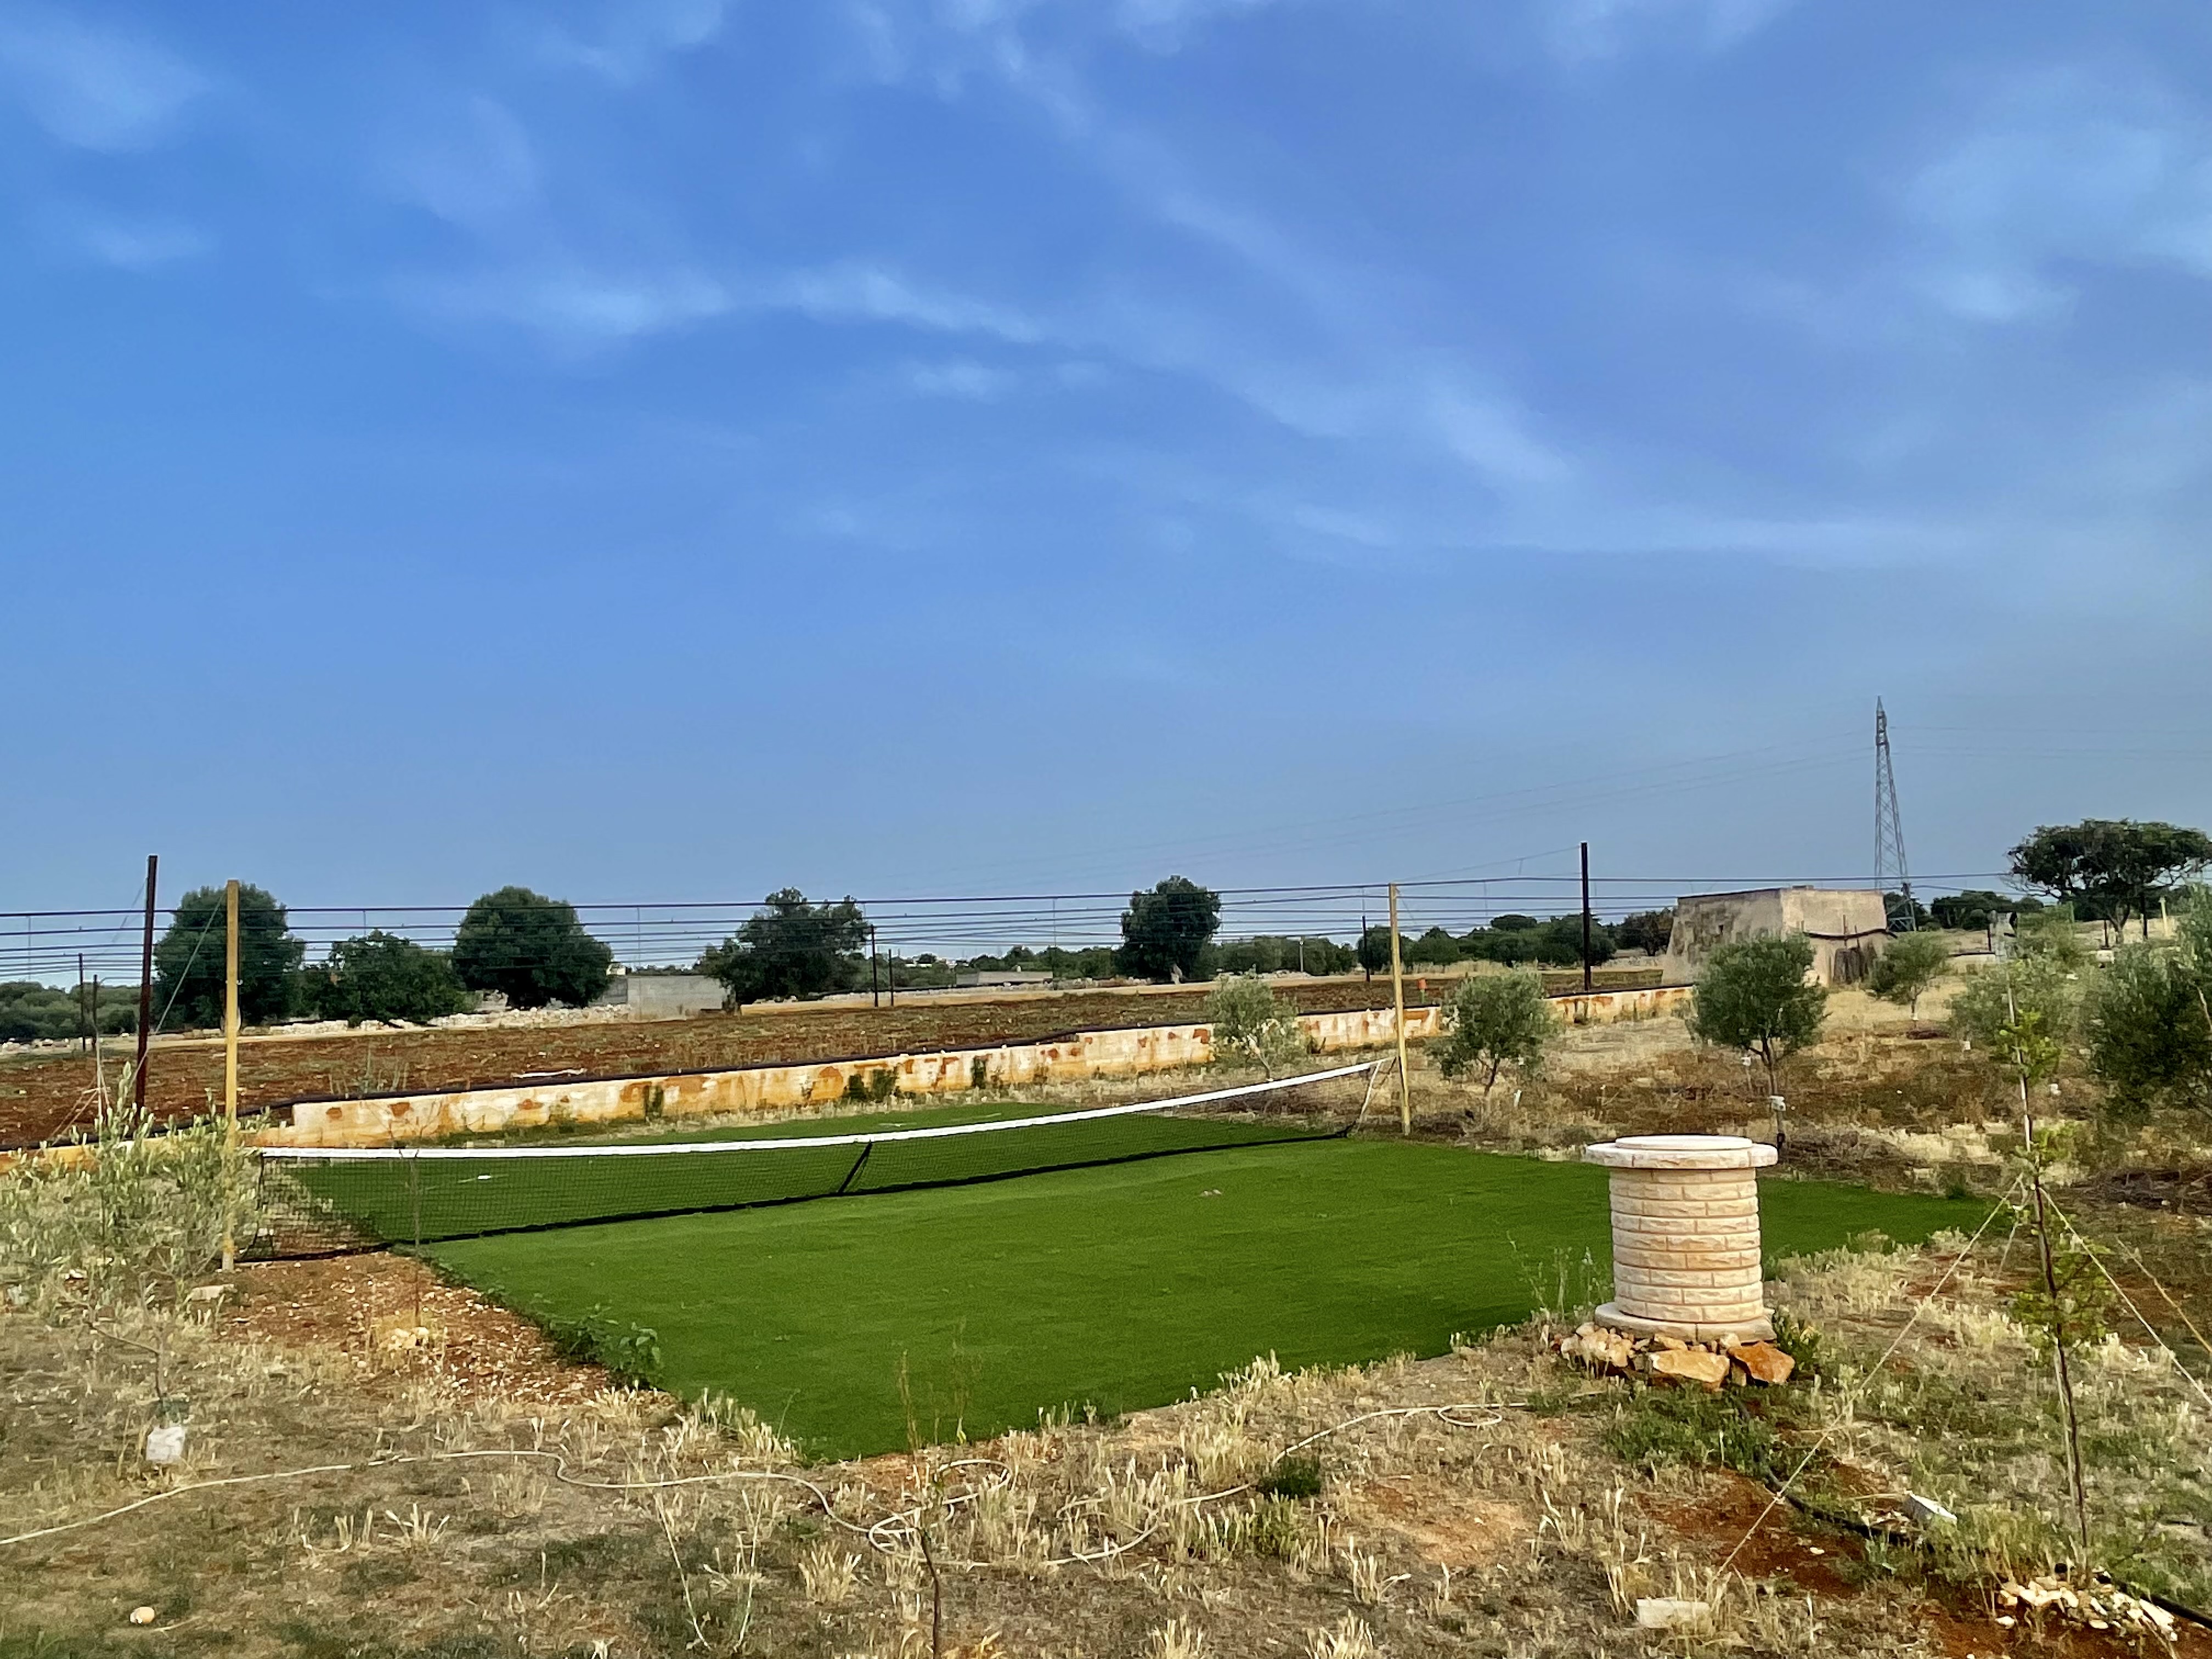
(44, 1096)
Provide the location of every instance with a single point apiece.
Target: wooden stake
(229, 1051)
(1398, 998)
(145, 990)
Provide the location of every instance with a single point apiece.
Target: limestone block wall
(1848, 927)
(1123, 1053)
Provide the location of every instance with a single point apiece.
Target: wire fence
(47, 944)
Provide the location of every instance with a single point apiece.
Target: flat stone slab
(1681, 1152)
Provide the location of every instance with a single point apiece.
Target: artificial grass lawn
(422, 1199)
(1115, 1288)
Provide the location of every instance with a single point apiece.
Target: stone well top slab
(1680, 1152)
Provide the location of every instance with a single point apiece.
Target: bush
(1275, 953)
(2037, 985)
(1655, 1427)
(189, 960)
(140, 1218)
(1091, 961)
(529, 949)
(1563, 934)
(1903, 973)
(1164, 933)
(1250, 1024)
(32, 1013)
(1491, 1020)
(1975, 906)
(1558, 943)
(2148, 1032)
(1374, 949)
(1649, 931)
(1434, 949)
(1753, 995)
(790, 948)
(1295, 1476)
(382, 976)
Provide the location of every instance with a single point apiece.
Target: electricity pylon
(1888, 834)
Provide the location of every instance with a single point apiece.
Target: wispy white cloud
(959, 377)
(472, 163)
(581, 305)
(1579, 30)
(860, 291)
(573, 307)
(1492, 436)
(138, 245)
(2063, 170)
(634, 36)
(97, 87)
(1169, 25)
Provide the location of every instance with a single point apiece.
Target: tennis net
(323, 1201)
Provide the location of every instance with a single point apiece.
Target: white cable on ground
(909, 1517)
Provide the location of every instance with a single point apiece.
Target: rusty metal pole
(1586, 921)
(1398, 998)
(145, 989)
(875, 993)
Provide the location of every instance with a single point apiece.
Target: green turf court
(1119, 1287)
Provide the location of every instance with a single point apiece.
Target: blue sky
(675, 448)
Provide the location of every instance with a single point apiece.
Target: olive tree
(791, 948)
(189, 961)
(1906, 971)
(2041, 981)
(2120, 866)
(1165, 931)
(2146, 1020)
(1494, 1020)
(1250, 1024)
(1754, 995)
(531, 949)
(381, 976)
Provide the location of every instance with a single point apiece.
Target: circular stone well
(1685, 1236)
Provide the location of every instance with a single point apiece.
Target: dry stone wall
(1123, 1053)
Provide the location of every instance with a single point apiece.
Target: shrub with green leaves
(531, 949)
(1494, 1020)
(380, 975)
(1250, 1024)
(1909, 969)
(791, 947)
(141, 1216)
(2035, 985)
(1754, 995)
(188, 961)
(2147, 1020)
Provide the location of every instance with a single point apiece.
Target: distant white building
(1031, 977)
(1848, 928)
(664, 996)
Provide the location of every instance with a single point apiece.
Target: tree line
(535, 952)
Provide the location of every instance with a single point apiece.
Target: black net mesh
(318, 1201)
